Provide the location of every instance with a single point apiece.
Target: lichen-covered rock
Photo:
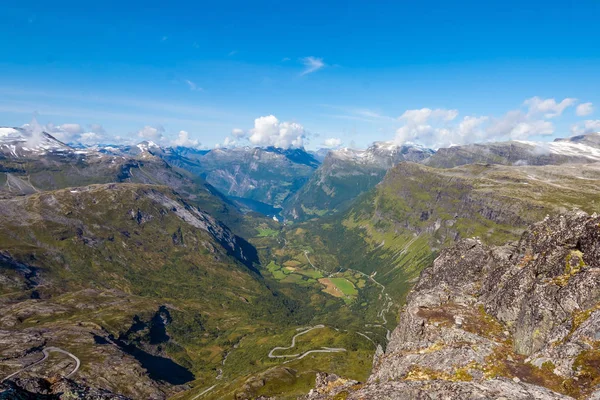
(521, 321)
(328, 385)
(63, 389)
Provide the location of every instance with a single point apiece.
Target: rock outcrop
(61, 389)
(519, 321)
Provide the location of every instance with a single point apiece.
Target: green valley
(146, 272)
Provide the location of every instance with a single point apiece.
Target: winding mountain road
(301, 356)
(323, 350)
(293, 343)
(46, 352)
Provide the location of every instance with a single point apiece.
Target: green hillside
(396, 229)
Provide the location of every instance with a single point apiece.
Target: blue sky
(335, 72)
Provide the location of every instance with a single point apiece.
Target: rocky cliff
(519, 321)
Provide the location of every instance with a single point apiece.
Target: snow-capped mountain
(19, 142)
(265, 175)
(252, 176)
(576, 149)
(591, 139)
(383, 154)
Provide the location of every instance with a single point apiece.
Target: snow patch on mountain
(19, 142)
(385, 154)
(564, 148)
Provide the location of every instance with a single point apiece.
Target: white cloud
(183, 140)
(98, 129)
(523, 130)
(517, 125)
(71, 128)
(229, 142)
(152, 133)
(90, 138)
(332, 142)
(588, 126)
(549, 108)
(268, 131)
(312, 64)
(426, 126)
(36, 132)
(238, 133)
(192, 85)
(439, 127)
(70, 132)
(584, 109)
(419, 117)
(369, 113)
(424, 134)
(357, 114)
(471, 126)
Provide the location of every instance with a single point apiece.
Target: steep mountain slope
(578, 149)
(55, 170)
(344, 175)
(267, 175)
(519, 321)
(100, 270)
(127, 259)
(396, 229)
(255, 179)
(128, 263)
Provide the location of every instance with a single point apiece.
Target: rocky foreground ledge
(520, 321)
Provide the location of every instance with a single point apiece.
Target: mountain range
(345, 174)
(172, 272)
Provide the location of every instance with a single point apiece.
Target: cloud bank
(269, 131)
(584, 109)
(588, 126)
(332, 142)
(443, 127)
(183, 139)
(158, 135)
(71, 132)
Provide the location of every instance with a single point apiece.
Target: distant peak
(19, 142)
(149, 143)
(6, 132)
(385, 145)
(297, 155)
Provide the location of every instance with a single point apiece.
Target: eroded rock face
(520, 321)
(62, 389)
